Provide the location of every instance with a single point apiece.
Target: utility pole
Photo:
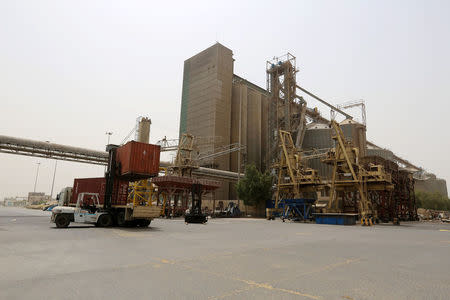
(37, 172)
(53, 182)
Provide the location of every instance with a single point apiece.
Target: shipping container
(138, 160)
(98, 185)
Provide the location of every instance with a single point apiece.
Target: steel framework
(347, 178)
(286, 109)
(362, 188)
(352, 104)
(294, 180)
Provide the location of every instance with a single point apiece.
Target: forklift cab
(85, 211)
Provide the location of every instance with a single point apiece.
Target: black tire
(62, 221)
(121, 219)
(105, 220)
(132, 223)
(144, 223)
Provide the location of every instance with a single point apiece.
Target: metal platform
(184, 183)
(299, 209)
(335, 218)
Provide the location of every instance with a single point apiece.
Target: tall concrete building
(206, 97)
(215, 102)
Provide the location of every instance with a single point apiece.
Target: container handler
(83, 212)
(130, 162)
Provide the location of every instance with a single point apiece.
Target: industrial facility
(230, 110)
(323, 168)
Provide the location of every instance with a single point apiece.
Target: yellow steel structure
(293, 178)
(184, 165)
(349, 176)
(143, 192)
(377, 178)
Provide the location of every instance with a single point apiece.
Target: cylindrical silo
(143, 135)
(318, 136)
(356, 133)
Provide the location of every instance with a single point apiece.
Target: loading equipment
(296, 184)
(352, 181)
(195, 214)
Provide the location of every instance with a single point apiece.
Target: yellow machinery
(143, 192)
(184, 165)
(377, 178)
(293, 179)
(349, 176)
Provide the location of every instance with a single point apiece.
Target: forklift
(85, 212)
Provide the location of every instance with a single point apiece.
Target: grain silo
(143, 131)
(356, 133)
(318, 136)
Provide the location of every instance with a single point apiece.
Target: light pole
(108, 133)
(37, 172)
(54, 174)
(240, 139)
(53, 181)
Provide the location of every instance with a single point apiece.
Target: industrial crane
(294, 180)
(348, 175)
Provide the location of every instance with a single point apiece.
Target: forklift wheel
(62, 221)
(120, 219)
(105, 220)
(144, 223)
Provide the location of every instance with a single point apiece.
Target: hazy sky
(72, 70)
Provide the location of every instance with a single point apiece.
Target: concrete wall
(432, 185)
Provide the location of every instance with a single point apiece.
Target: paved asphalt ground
(225, 259)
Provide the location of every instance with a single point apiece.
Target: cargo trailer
(98, 185)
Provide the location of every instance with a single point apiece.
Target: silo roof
(315, 125)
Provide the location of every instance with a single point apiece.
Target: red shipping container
(138, 160)
(98, 185)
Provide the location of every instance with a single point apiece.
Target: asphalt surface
(224, 259)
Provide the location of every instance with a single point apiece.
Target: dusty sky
(72, 70)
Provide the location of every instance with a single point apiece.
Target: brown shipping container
(138, 160)
(98, 185)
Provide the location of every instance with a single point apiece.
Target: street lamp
(54, 174)
(53, 181)
(37, 172)
(108, 133)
